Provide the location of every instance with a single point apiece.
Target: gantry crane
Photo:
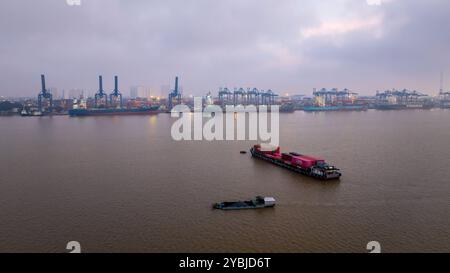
(225, 96)
(239, 93)
(268, 98)
(115, 98)
(101, 96)
(174, 95)
(45, 95)
(253, 96)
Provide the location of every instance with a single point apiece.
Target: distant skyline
(289, 46)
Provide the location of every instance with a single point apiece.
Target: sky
(289, 46)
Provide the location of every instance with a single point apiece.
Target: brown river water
(121, 184)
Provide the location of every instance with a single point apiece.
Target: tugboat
(257, 203)
(31, 113)
(303, 164)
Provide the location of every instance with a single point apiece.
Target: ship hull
(445, 105)
(112, 112)
(296, 169)
(404, 107)
(335, 108)
(239, 206)
(257, 203)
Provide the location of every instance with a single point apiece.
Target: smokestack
(100, 84)
(176, 85)
(43, 83)
(116, 83)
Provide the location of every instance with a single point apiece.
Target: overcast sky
(285, 45)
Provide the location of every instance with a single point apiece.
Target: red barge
(303, 164)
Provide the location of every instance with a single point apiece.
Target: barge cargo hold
(303, 164)
(257, 203)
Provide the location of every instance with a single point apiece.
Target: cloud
(373, 2)
(334, 28)
(289, 45)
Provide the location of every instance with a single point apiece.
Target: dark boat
(114, 112)
(335, 108)
(390, 106)
(257, 203)
(303, 164)
(287, 108)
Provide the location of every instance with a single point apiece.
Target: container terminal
(303, 164)
(402, 100)
(336, 100)
(323, 100)
(114, 106)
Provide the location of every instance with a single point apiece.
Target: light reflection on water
(122, 184)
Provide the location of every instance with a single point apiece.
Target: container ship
(303, 164)
(403, 106)
(114, 112)
(389, 107)
(335, 108)
(445, 104)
